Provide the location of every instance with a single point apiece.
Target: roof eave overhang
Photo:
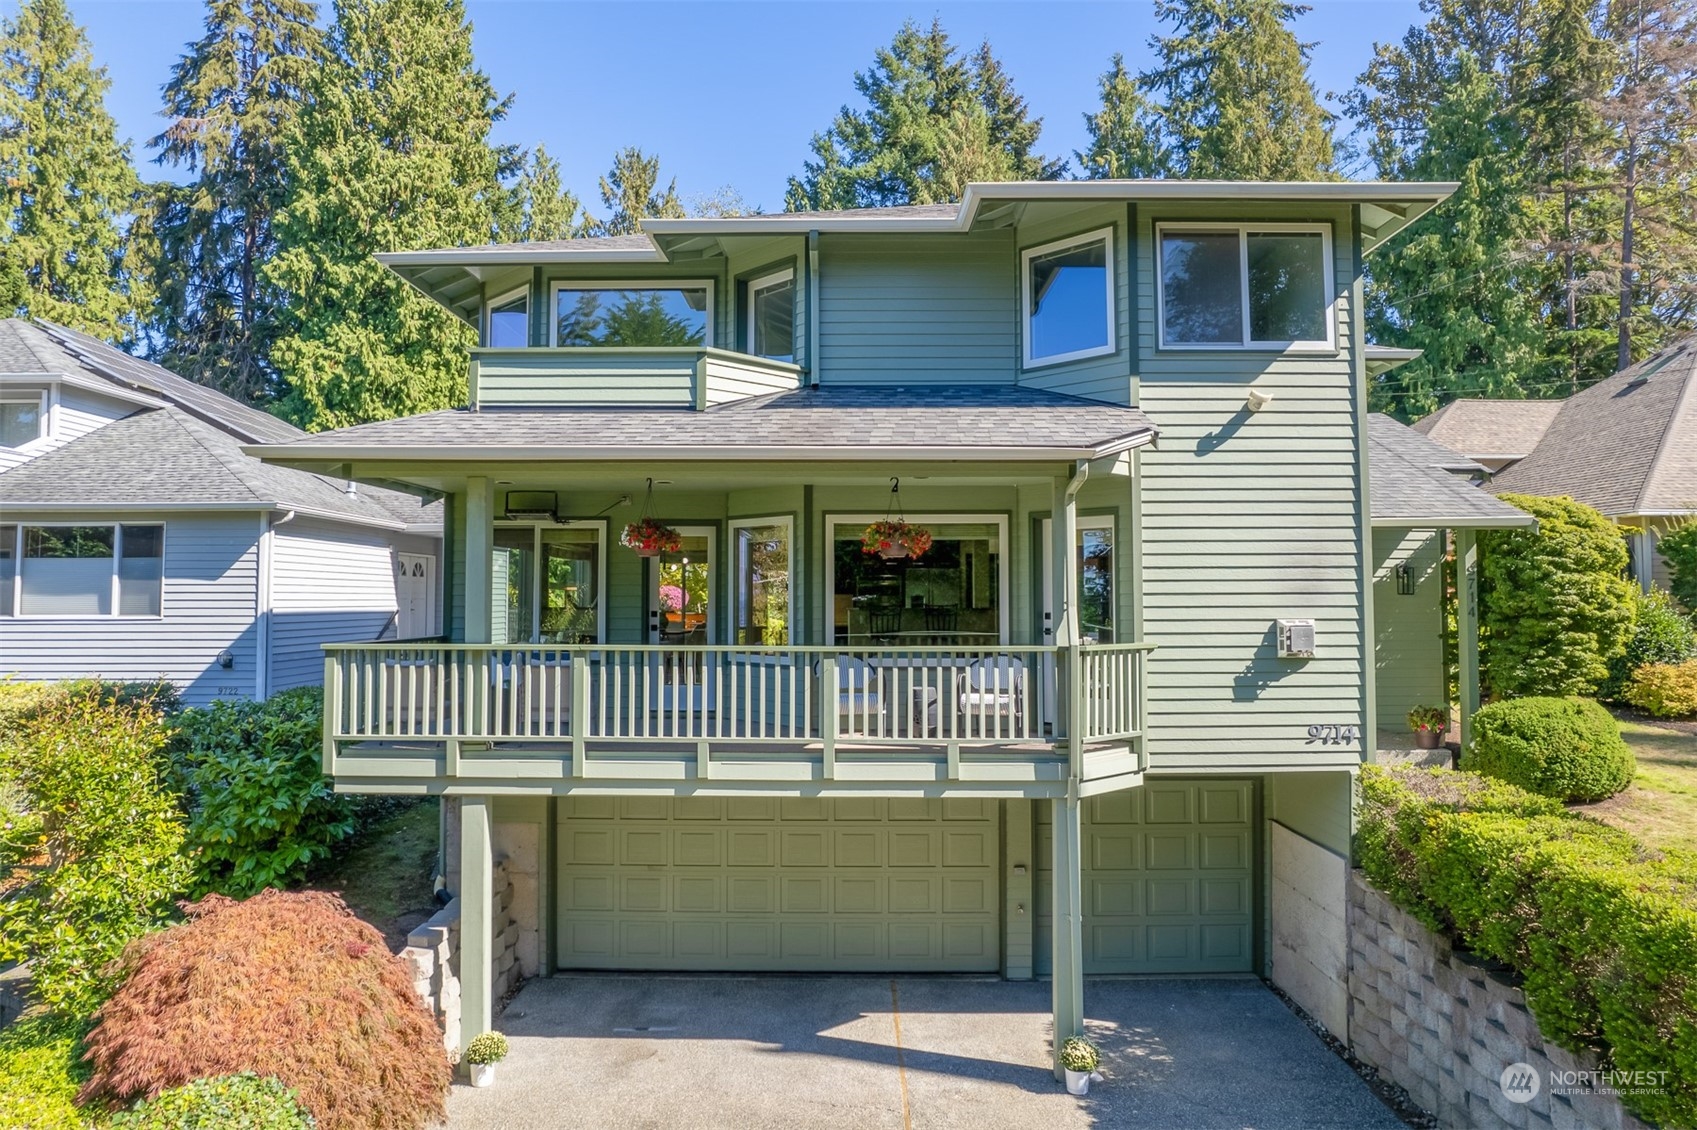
(1455, 522)
(230, 507)
(315, 455)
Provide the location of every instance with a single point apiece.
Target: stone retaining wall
(433, 954)
(1443, 1028)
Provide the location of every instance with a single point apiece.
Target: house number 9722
(1329, 733)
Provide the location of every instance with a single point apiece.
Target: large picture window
(645, 315)
(1067, 296)
(761, 556)
(954, 595)
(1246, 287)
(92, 570)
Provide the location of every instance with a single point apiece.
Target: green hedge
(1602, 931)
(243, 1100)
(1566, 748)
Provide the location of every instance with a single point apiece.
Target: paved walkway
(867, 1053)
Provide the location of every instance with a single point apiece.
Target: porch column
(479, 551)
(1063, 547)
(1467, 628)
(1066, 988)
(477, 918)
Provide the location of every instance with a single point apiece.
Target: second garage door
(791, 884)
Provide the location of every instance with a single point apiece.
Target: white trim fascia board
(1692, 512)
(1472, 522)
(517, 254)
(8, 508)
(288, 454)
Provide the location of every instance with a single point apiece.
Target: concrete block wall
(432, 953)
(1309, 950)
(1443, 1028)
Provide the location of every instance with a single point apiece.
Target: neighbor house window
(85, 570)
(762, 556)
(1067, 295)
(771, 316)
(508, 321)
(1241, 287)
(22, 419)
(652, 315)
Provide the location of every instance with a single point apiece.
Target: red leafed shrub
(285, 984)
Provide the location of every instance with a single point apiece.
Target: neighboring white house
(136, 540)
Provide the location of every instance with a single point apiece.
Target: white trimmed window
(92, 570)
(642, 315)
(1067, 298)
(23, 418)
(762, 557)
(506, 321)
(1234, 286)
(770, 327)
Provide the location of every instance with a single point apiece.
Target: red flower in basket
(650, 538)
(893, 539)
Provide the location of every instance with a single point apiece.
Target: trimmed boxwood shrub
(244, 1100)
(1665, 690)
(290, 984)
(1601, 930)
(1566, 748)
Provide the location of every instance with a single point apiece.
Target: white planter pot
(483, 1075)
(1078, 1082)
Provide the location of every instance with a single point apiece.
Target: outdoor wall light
(1258, 399)
(1404, 579)
(226, 659)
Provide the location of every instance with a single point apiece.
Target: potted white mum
(483, 1053)
(1079, 1059)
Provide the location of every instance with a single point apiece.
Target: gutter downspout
(813, 307)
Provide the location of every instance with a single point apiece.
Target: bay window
(633, 314)
(1232, 286)
(86, 570)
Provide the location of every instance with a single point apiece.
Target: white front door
(415, 596)
(1096, 599)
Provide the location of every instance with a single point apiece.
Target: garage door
(1168, 880)
(779, 884)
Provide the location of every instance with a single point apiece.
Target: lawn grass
(386, 876)
(1660, 806)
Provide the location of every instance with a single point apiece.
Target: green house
(1107, 722)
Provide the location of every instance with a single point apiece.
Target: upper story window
(655, 314)
(771, 316)
(507, 324)
(1230, 286)
(1067, 297)
(23, 418)
(94, 570)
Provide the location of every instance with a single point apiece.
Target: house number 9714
(1328, 733)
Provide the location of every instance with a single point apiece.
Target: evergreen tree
(68, 192)
(1450, 285)
(934, 121)
(1233, 95)
(229, 101)
(1125, 135)
(541, 207)
(629, 192)
(390, 151)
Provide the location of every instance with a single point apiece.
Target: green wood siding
(1408, 630)
(918, 309)
(1169, 879)
(799, 884)
(1249, 518)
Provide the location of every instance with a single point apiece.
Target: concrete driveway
(867, 1052)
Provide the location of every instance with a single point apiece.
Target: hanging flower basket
(651, 538)
(894, 539)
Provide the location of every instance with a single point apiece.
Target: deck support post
(477, 918)
(479, 559)
(1063, 547)
(1467, 628)
(1067, 986)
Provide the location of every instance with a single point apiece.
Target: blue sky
(729, 94)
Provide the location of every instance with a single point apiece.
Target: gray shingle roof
(1490, 429)
(1626, 445)
(1421, 484)
(954, 421)
(167, 458)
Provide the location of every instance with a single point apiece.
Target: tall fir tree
(630, 192)
(1232, 96)
(391, 151)
(1125, 136)
(541, 207)
(68, 193)
(934, 121)
(1450, 287)
(229, 103)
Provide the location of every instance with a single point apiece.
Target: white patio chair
(992, 697)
